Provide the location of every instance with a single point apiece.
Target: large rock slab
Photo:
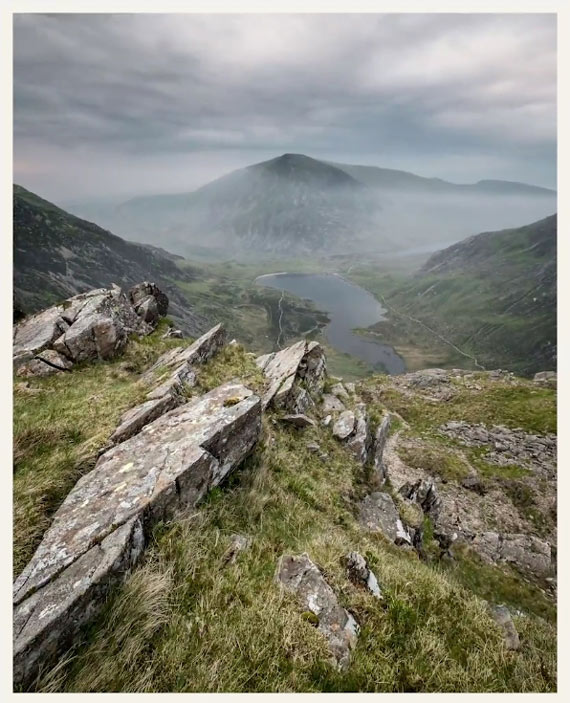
(378, 513)
(301, 363)
(197, 353)
(99, 531)
(299, 575)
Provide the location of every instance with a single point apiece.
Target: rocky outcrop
(100, 530)
(378, 513)
(506, 446)
(170, 393)
(89, 326)
(295, 376)
(546, 379)
(143, 291)
(526, 552)
(360, 574)
(299, 575)
(424, 493)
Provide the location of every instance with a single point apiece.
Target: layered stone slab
(170, 392)
(295, 376)
(100, 530)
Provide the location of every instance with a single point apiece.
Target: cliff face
(255, 525)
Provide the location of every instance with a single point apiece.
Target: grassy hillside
(188, 620)
(493, 296)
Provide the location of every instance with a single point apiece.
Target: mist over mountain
(297, 205)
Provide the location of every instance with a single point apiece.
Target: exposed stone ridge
(170, 393)
(299, 575)
(99, 531)
(507, 446)
(89, 326)
(295, 376)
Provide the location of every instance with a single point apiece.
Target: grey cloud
(154, 87)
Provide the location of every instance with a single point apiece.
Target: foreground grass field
(190, 619)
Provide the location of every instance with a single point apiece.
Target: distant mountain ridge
(295, 205)
(57, 255)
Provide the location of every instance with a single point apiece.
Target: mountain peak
(304, 168)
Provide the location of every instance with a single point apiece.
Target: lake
(348, 306)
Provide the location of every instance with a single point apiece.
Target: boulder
(100, 530)
(360, 574)
(89, 326)
(142, 291)
(547, 379)
(101, 328)
(299, 575)
(331, 404)
(295, 376)
(378, 513)
(502, 617)
(344, 426)
(147, 309)
(339, 391)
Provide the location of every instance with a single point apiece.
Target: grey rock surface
(378, 449)
(298, 420)
(295, 376)
(378, 513)
(360, 442)
(331, 404)
(360, 573)
(299, 575)
(344, 425)
(99, 531)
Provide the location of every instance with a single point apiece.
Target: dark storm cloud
(156, 102)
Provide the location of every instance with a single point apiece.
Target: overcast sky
(120, 105)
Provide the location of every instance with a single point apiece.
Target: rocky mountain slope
(297, 205)
(220, 522)
(492, 295)
(57, 255)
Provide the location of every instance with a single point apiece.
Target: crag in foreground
(190, 518)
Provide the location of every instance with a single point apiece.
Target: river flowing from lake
(349, 307)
